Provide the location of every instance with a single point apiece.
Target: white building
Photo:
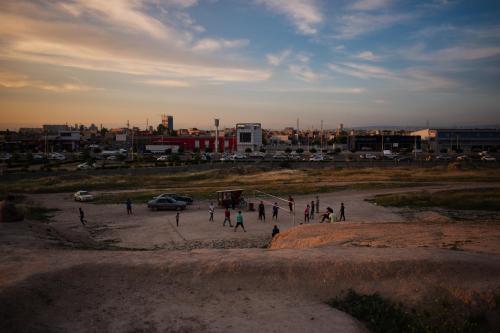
(248, 135)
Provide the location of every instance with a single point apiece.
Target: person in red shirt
(227, 218)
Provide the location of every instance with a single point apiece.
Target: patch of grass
(246, 176)
(472, 199)
(381, 315)
(38, 213)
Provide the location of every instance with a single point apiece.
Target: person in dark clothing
(275, 210)
(311, 213)
(227, 218)
(326, 215)
(177, 216)
(275, 230)
(342, 212)
(129, 206)
(262, 211)
(290, 203)
(306, 214)
(211, 211)
(82, 217)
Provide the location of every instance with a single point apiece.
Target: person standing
(239, 221)
(306, 214)
(317, 204)
(311, 215)
(128, 203)
(82, 217)
(275, 230)
(177, 217)
(227, 218)
(290, 203)
(262, 211)
(275, 211)
(342, 212)
(211, 210)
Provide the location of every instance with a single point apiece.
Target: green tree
(312, 150)
(248, 150)
(288, 150)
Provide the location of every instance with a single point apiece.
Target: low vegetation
(38, 213)
(248, 177)
(382, 315)
(471, 199)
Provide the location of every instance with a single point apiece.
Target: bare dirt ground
(141, 273)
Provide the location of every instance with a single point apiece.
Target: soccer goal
(269, 200)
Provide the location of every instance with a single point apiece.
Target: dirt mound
(235, 290)
(433, 233)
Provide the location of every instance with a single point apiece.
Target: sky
(358, 62)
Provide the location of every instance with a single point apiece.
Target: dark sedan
(166, 203)
(176, 197)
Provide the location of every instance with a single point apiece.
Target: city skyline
(360, 63)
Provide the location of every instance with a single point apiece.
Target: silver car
(166, 203)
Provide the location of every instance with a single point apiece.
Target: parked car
(443, 158)
(462, 158)
(112, 158)
(184, 198)
(487, 158)
(83, 196)
(368, 156)
(402, 159)
(86, 166)
(166, 203)
(162, 158)
(5, 157)
(317, 158)
(57, 156)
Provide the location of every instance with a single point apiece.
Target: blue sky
(360, 62)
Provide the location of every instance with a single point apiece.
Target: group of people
(227, 217)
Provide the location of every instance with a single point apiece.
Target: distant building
(248, 135)
(55, 129)
(170, 123)
(394, 143)
(442, 140)
(199, 143)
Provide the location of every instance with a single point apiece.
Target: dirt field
(141, 273)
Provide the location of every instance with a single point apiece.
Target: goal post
(270, 199)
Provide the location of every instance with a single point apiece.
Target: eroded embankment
(228, 290)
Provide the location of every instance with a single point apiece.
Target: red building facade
(201, 143)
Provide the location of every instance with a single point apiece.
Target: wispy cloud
(361, 71)
(212, 44)
(366, 55)
(27, 34)
(355, 25)
(277, 58)
(167, 83)
(18, 81)
(370, 4)
(304, 14)
(304, 73)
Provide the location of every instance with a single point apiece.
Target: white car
(162, 158)
(239, 156)
(317, 158)
(86, 166)
(488, 158)
(57, 156)
(83, 196)
(368, 156)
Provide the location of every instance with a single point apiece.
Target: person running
(262, 211)
(275, 211)
(227, 217)
(275, 231)
(239, 221)
(342, 212)
(311, 215)
(82, 217)
(306, 214)
(177, 216)
(290, 203)
(211, 211)
(317, 204)
(128, 203)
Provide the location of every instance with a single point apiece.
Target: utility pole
(298, 133)
(321, 139)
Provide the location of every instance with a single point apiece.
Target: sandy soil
(151, 276)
